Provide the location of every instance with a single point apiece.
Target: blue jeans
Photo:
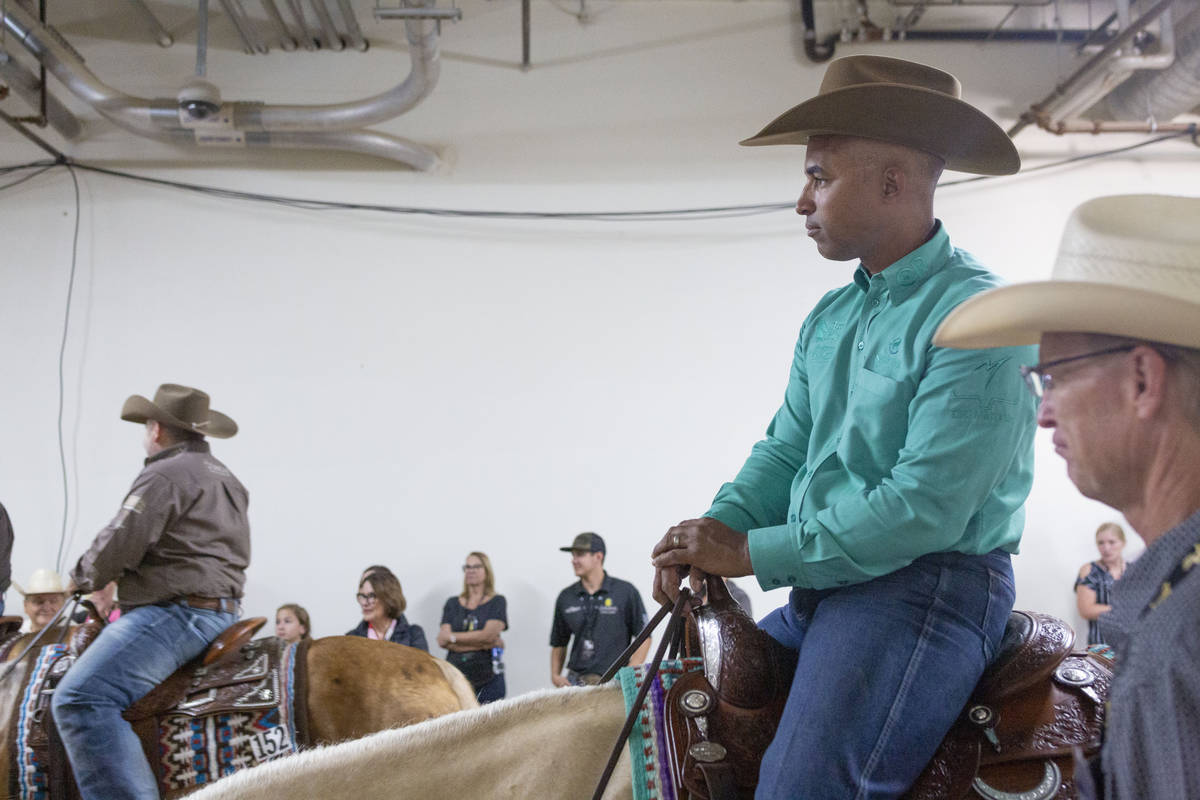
(491, 691)
(128, 659)
(884, 669)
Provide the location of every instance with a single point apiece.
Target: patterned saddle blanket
(202, 723)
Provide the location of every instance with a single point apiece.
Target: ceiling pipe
(281, 29)
(332, 39)
(370, 143)
(1161, 95)
(1096, 126)
(161, 35)
(29, 87)
(1091, 71)
(307, 38)
(251, 41)
(236, 122)
(353, 31)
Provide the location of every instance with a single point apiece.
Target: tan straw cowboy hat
(901, 102)
(1128, 265)
(180, 407)
(42, 581)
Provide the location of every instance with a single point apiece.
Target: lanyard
(1189, 560)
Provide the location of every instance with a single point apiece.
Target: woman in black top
(471, 627)
(1093, 587)
(382, 603)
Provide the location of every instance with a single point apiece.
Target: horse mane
(492, 740)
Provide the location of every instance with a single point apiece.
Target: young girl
(291, 623)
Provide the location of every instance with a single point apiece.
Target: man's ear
(893, 182)
(1150, 373)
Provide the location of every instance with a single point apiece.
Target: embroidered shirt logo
(991, 368)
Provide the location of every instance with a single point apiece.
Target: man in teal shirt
(888, 491)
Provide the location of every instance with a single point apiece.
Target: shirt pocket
(876, 424)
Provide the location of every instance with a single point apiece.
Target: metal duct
(29, 87)
(239, 123)
(1160, 95)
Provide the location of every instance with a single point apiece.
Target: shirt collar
(605, 585)
(905, 276)
(175, 449)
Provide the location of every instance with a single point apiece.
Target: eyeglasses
(1039, 381)
(369, 597)
(472, 566)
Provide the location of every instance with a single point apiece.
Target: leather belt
(226, 604)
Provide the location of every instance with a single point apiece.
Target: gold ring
(677, 540)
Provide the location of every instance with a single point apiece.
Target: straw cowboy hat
(1128, 265)
(901, 102)
(42, 581)
(180, 407)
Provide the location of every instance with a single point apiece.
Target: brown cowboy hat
(1128, 265)
(901, 102)
(180, 407)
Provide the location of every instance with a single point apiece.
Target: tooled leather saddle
(1033, 707)
(232, 674)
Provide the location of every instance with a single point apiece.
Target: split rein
(673, 638)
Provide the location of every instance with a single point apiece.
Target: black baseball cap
(590, 542)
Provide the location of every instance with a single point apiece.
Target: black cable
(714, 212)
(62, 349)
(1191, 132)
(30, 176)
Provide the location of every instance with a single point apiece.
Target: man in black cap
(178, 549)
(601, 612)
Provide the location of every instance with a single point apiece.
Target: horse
(1033, 707)
(353, 687)
(549, 743)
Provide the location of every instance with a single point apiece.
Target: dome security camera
(199, 99)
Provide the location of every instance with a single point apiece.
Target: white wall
(412, 388)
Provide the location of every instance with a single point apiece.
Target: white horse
(549, 744)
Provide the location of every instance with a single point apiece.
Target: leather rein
(672, 638)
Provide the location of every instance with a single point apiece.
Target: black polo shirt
(609, 619)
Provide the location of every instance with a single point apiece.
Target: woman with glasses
(382, 603)
(1093, 587)
(471, 626)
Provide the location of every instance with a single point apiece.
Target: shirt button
(861, 345)
(875, 303)
(775, 581)
(792, 518)
(791, 578)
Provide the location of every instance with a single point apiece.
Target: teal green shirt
(887, 448)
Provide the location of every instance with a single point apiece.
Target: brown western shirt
(181, 531)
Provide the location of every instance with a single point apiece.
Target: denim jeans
(128, 659)
(884, 669)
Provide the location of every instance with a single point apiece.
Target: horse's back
(358, 686)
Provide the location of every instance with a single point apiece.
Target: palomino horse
(354, 687)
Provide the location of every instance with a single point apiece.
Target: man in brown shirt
(178, 549)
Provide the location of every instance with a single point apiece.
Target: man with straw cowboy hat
(1119, 383)
(43, 595)
(888, 492)
(178, 549)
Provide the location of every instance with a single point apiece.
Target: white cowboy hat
(1128, 265)
(42, 581)
(902, 102)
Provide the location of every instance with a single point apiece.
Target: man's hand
(706, 546)
(560, 681)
